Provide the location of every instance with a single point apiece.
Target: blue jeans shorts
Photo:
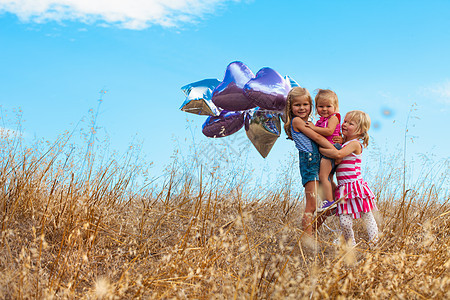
(309, 166)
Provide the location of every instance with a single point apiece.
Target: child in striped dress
(355, 198)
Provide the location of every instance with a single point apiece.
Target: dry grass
(98, 232)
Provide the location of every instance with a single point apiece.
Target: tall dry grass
(101, 231)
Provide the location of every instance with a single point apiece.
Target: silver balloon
(263, 129)
(291, 81)
(198, 98)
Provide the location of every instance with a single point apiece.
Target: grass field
(80, 226)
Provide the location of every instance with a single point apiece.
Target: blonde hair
(362, 122)
(294, 92)
(327, 95)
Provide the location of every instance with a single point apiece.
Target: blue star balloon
(198, 97)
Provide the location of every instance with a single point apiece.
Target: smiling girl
(355, 198)
(327, 106)
(298, 110)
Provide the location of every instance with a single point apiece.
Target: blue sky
(55, 57)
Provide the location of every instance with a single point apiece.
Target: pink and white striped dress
(354, 191)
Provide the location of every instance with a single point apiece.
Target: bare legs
(325, 183)
(310, 207)
(311, 189)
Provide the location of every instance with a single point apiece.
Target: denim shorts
(309, 166)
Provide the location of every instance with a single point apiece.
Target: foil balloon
(198, 97)
(229, 94)
(228, 122)
(263, 129)
(268, 90)
(291, 81)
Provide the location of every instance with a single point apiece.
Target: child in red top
(328, 125)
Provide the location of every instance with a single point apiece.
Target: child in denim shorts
(297, 112)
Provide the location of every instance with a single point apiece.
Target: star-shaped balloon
(198, 97)
(263, 128)
(229, 94)
(241, 98)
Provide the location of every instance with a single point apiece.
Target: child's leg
(347, 228)
(333, 186)
(371, 226)
(310, 207)
(325, 183)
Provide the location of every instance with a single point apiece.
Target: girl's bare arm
(299, 125)
(327, 131)
(353, 147)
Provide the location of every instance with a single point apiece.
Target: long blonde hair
(294, 92)
(328, 95)
(362, 121)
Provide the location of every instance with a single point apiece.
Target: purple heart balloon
(268, 90)
(228, 122)
(229, 94)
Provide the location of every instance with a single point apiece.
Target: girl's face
(325, 108)
(349, 128)
(301, 107)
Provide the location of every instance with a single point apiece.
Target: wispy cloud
(131, 14)
(439, 91)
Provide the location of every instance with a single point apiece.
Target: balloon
(241, 98)
(292, 84)
(228, 122)
(263, 129)
(229, 94)
(198, 97)
(291, 81)
(268, 89)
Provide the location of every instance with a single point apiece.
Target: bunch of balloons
(242, 99)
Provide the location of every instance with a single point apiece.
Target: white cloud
(440, 91)
(131, 14)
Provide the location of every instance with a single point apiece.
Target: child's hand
(310, 125)
(338, 139)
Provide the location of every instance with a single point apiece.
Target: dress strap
(338, 115)
(356, 140)
(350, 141)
